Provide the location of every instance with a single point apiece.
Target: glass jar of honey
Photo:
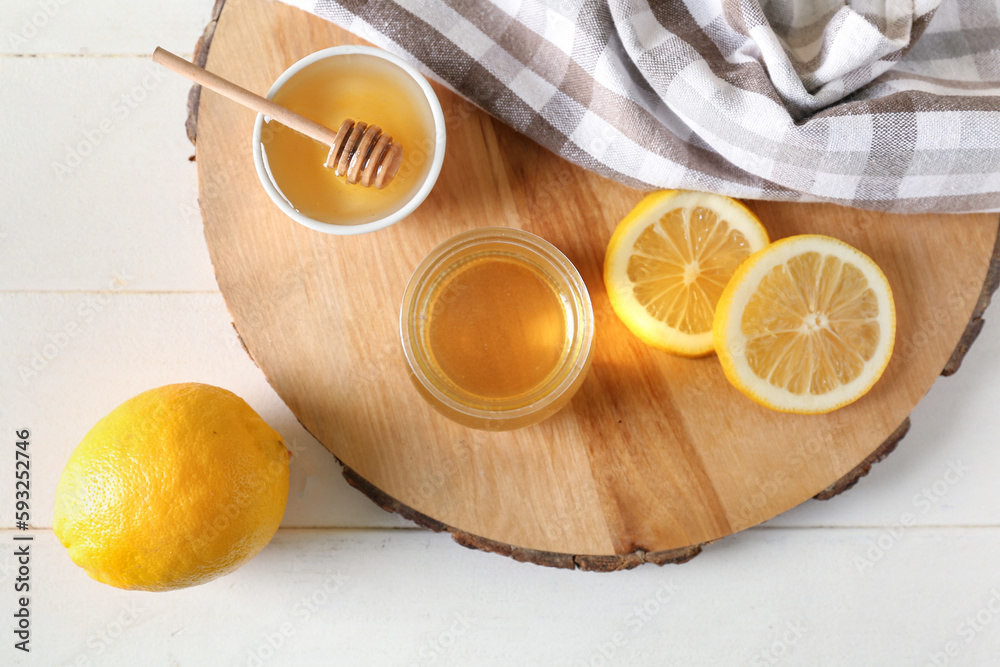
(497, 328)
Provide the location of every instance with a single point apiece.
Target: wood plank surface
(656, 453)
(405, 590)
(122, 126)
(391, 598)
(118, 27)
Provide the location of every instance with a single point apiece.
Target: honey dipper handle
(239, 94)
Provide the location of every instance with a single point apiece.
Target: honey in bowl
(354, 86)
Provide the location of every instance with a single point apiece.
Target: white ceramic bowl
(436, 159)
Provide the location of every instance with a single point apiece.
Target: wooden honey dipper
(380, 155)
(358, 151)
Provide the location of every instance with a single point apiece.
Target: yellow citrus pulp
(806, 325)
(173, 488)
(669, 260)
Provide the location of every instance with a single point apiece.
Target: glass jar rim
(580, 307)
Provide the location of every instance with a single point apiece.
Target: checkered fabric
(891, 105)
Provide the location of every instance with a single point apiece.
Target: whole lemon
(175, 487)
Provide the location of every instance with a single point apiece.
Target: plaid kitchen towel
(883, 104)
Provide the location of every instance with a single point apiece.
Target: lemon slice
(669, 260)
(806, 325)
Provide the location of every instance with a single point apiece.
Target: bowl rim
(436, 161)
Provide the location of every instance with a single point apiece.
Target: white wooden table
(106, 290)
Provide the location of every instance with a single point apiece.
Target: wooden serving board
(657, 455)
